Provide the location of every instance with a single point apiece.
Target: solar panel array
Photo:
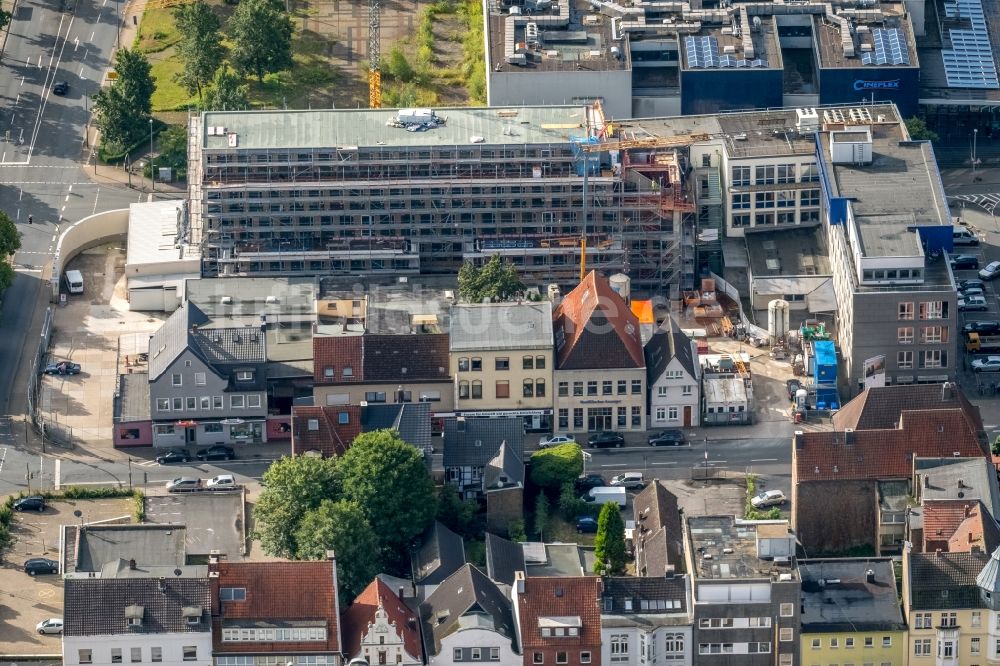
(890, 48)
(703, 52)
(969, 63)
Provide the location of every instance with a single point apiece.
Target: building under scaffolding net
(420, 191)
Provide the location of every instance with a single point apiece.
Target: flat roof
(725, 390)
(235, 297)
(725, 548)
(889, 235)
(714, 41)
(134, 397)
(149, 545)
(153, 233)
(799, 250)
(978, 476)
(346, 128)
(838, 595)
(882, 39)
(498, 326)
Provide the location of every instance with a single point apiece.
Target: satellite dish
(78, 513)
(177, 572)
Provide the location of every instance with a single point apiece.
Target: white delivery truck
(604, 494)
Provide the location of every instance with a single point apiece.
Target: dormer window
(191, 615)
(328, 373)
(133, 616)
(244, 375)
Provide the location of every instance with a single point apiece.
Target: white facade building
(674, 379)
(645, 620)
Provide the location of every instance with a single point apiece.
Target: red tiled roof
(376, 358)
(276, 591)
(594, 329)
(879, 408)
(362, 611)
(337, 352)
(957, 526)
(884, 454)
(331, 437)
(576, 596)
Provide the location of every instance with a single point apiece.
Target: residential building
(558, 619)
(116, 620)
(441, 554)
(330, 429)
(90, 550)
(646, 621)
(954, 526)
(958, 502)
(673, 378)
(206, 384)
(502, 359)
(467, 618)
(288, 611)
(378, 628)
(850, 612)
(472, 444)
(841, 495)
(503, 488)
(745, 591)
(658, 542)
(375, 369)
(503, 559)
(950, 604)
(600, 370)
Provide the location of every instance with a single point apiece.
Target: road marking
(57, 481)
(3, 456)
(27, 270)
(92, 36)
(765, 460)
(81, 72)
(662, 463)
(22, 79)
(63, 210)
(76, 44)
(20, 190)
(615, 465)
(66, 199)
(96, 196)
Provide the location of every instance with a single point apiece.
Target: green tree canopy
(341, 527)
(918, 130)
(388, 479)
(456, 514)
(496, 280)
(228, 92)
(556, 466)
(262, 38)
(541, 515)
(5, 17)
(609, 542)
(200, 49)
(122, 110)
(293, 486)
(10, 242)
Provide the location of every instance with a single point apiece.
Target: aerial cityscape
(528, 332)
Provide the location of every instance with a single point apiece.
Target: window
(176, 379)
(906, 311)
(674, 643)
(932, 335)
(922, 621)
(687, 389)
(206, 402)
(540, 388)
(163, 404)
(502, 388)
(578, 417)
(135, 655)
(933, 310)
(741, 176)
(191, 403)
(974, 645)
(458, 654)
(539, 363)
(922, 646)
(477, 364)
(563, 418)
(887, 641)
(477, 390)
(977, 618)
(636, 416)
(178, 404)
(786, 660)
(577, 388)
(561, 658)
(232, 594)
(933, 358)
(563, 389)
(622, 384)
(785, 634)
(244, 375)
(636, 387)
(528, 363)
(156, 654)
(463, 365)
(116, 655)
(786, 173)
(904, 360)
(763, 219)
(673, 414)
(494, 654)
(163, 430)
(661, 391)
(834, 643)
(502, 363)
(217, 402)
(815, 644)
(237, 401)
(869, 642)
(538, 658)
(607, 387)
(477, 654)
(213, 428)
(592, 387)
(764, 175)
(661, 414)
(741, 201)
(86, 656)
(849, 642)
(347, 372)
(741, 220)
(809, 197)
(527, 388)
(786, 610)
(764, 200)
(374, 396)
(904, 335)
(463, 390)
(584, 657)
(619, 647)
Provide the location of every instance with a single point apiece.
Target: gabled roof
(667, 343)
(958, 525)
(595, 329)
(476, 441)
(362, 612)
(989, 578)
(97, 606)
(504, 464)
(300, 592)
(170, 340)
(440, 555)
(230, 346)
(376, 359)
(658, 525)
(883, 454)
(330, 436)
(655, 595)
(574, 599)
(503, 558)
(410, 420)
(880, 408)
(468, 591)
(501, 326)
(946, 580)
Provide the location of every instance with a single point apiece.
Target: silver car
(52, 625)
(183, 483)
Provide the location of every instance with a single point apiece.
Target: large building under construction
(421, 191)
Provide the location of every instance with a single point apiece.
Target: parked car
(52, 625)
(987, 364)
(985, 327)
(60, 88)
(965, 262)
(30, 503)
(768, 498)
(972, 303)
(62, 368)
(217, 452)
(183, 483)
(586, 525)
(174, 456)
(37, 566)
(222, 482)
(608, 438)
(965, 284)
(588, 481)
(667, 438)
(556, 440)
(971, 291)
(991, 271)
(792, 386)
(629, 480)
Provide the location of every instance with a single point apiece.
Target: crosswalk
(987, 202)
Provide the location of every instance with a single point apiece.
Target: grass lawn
(560, 530)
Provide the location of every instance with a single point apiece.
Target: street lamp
(152, 176)
(975, 135)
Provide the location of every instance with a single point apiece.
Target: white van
(962, 236)
(604, 494)
(74, 281)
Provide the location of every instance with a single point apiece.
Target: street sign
(112, 75)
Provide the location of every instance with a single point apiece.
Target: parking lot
(214, 521)
(977, 383)
(27, 600)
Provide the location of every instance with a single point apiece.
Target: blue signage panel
(876, 85)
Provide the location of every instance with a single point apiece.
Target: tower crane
(374, 55)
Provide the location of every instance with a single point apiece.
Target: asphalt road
(42, 143)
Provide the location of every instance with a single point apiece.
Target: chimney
(163, 585)
(194, 328)
(968, 510)
(927, 481)
(946, 391)
(131, 564)
(937, 552)
(961, 483)
(402, 592)
(870, 575)
(519, 582)
(460, 422)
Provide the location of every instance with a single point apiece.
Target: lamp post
(975, 136)
(152, 173)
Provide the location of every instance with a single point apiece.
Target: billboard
(874, 371)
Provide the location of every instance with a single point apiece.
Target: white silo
(622, 285)
(777, 319)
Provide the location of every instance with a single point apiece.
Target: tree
(570, 505)
(262, 38)
(293, 486)
(10, 242)
(609, 542)
(495, 280)
(456, 514)
(341, 527)
(173, 151)
(227, 93)
(388, 479)
(135, 81)
(123, 109)
(918, 130)
(554, 467)
(541, 515)
(398, 67)
(5, 17)
(200, 49)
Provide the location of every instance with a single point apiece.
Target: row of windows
(686, 389)
(278, 660)
(501, 363)
(922, 647)
(673, 645)
(735, 648)
(770, 174)
(607, 387)
(730, 622)
(599, 418)
(402, 396)
(207, 402)
(562, 657)
(869, 642)
(86, 655)
(779, 199)
(768, 219)
(926, 309)
(177, 378)
(209, 428)
(929, 335)
(926, 358)
(474, 390)
(472, 654)
(282, 635)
